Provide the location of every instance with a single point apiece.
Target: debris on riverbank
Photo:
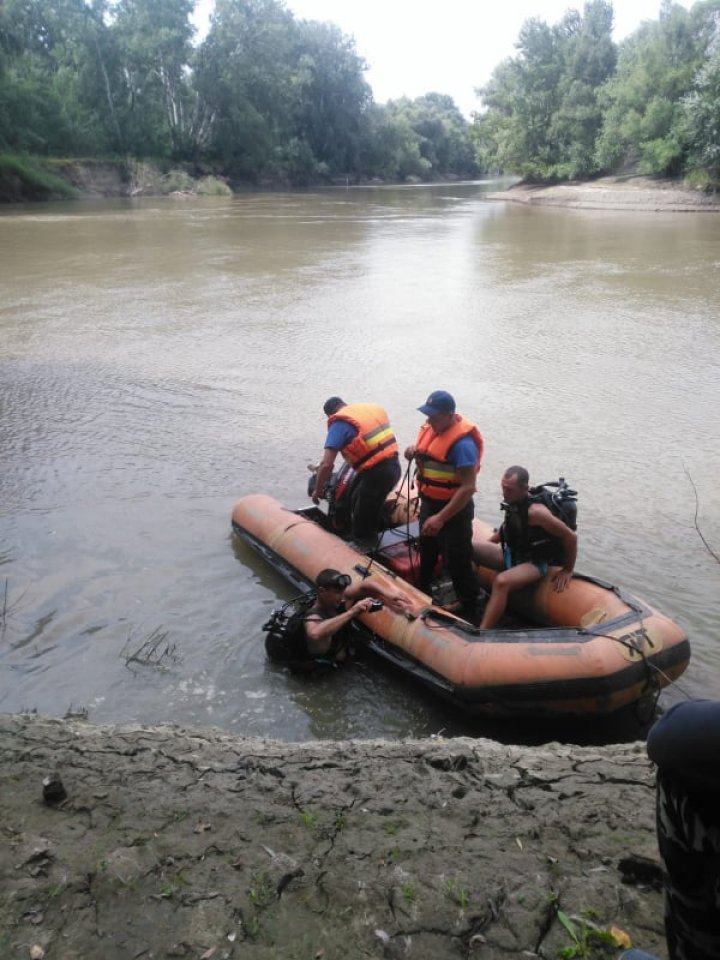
(198, 844)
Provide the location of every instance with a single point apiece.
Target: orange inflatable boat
(591, 649)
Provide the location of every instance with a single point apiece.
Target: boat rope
(652, 670)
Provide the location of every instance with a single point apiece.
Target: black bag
(560, 500)
(285, 640)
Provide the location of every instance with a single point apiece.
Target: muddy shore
(179, 843)
(615, 193)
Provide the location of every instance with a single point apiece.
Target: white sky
(413, 47)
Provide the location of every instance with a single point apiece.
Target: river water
(160, 358)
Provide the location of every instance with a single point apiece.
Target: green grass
(455, 892)
(588, 940)
(36, 179)
(309, 819)
(262, 891)
(409, 893)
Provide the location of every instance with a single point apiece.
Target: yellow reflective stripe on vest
(374, 441)
(379, 435)
(439, 474)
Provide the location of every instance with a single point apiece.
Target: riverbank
(197, 844)
(25, 179)
(615, 193)
(29, 179)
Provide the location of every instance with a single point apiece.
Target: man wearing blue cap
(448, 452)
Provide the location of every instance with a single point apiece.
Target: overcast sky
(414, 48)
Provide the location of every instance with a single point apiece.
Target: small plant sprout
(261, 890)
(409, 893)
(456, 892)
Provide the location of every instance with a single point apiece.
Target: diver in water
(337, 603)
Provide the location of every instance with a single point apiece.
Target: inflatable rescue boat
(589, 650)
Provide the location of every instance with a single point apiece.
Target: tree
(35, 49)
(153, 40)
(443, 133)
(701, 113)
(590, 57)
(390, 147)
(642, 102)
(521, 100)
(330, 95)
(541, 111)
(243, 74)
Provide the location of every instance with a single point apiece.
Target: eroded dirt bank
(615, 193)
(179, 843)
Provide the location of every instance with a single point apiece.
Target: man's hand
(432, 526)
(410, 452)
(561, 579)
(315, 496)
(362, 606)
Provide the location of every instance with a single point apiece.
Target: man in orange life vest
(362, 433)
(448, 452)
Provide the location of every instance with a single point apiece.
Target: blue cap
(439, 401)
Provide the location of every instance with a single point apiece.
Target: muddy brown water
(159, 359)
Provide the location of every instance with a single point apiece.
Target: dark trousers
(688, 828)
(369, 491)
(454, 542)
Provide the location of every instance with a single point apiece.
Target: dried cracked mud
(197, 844)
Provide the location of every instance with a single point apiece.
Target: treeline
(572, 104)
(268, 96)
(264, 95)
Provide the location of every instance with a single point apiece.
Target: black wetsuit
(528, 543)
(340, 640)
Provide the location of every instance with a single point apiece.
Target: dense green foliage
(268, 97)
(573, 104)
(263, 96)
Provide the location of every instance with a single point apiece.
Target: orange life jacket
(374, 441)
(437, 478)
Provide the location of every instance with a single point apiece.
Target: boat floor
(443, 592)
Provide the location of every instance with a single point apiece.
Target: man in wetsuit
(338, 602)
(529, 542)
